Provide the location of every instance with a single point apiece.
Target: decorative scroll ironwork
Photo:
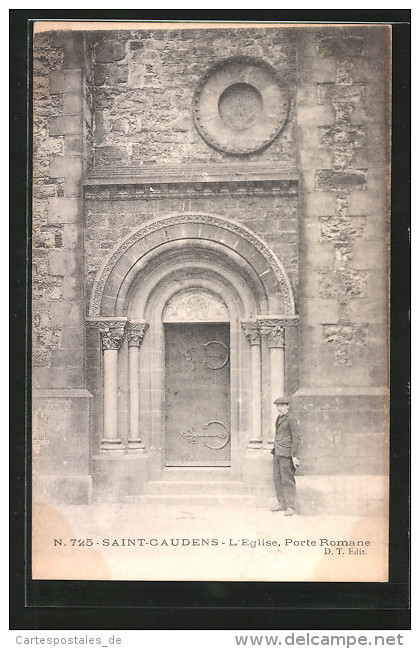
(192, 435)
(226, 359)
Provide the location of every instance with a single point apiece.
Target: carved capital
(252, 331)
(274, 336)
(135, 333)
(112, 331)
(273, 331)
(112, 337)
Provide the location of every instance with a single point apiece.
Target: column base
(136, 446)
(112, 446)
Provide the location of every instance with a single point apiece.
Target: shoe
(278, 508)
(289, 511)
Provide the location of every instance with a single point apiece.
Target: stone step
(180, 474)
(195, 500)
(202, 487)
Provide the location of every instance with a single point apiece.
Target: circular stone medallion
(240, 106)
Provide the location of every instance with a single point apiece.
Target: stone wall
(144, 83)
(143, 116)
(109, 102)
(342, 103)
(61, 128)
(273, 218)
(61, 143)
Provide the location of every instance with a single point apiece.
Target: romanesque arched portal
(192, 308)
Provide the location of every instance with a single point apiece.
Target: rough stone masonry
(116, 146)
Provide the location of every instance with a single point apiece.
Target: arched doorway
(196, 325)
(193, 309)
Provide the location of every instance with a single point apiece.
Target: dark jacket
(287, 439)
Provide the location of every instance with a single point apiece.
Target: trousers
(284, 480)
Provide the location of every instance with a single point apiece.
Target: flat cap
(282, 400)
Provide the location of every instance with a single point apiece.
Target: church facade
(210, 232)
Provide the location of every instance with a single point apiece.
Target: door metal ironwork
(197, 394)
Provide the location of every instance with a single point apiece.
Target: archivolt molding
(192, 271)
(184, 219)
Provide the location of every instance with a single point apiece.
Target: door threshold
(195, 465)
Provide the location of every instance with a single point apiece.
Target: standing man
(285, 458)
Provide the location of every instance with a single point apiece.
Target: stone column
(112, 332)
(112, 337)
(136, 331)
(252, 332)
(273, 331)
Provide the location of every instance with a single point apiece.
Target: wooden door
(197, 395)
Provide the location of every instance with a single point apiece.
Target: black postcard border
(45, 605)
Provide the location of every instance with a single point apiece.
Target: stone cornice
(278, 320)
(190, 181)
(104, 322)
(61, 393)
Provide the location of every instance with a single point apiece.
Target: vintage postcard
(210, 379)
